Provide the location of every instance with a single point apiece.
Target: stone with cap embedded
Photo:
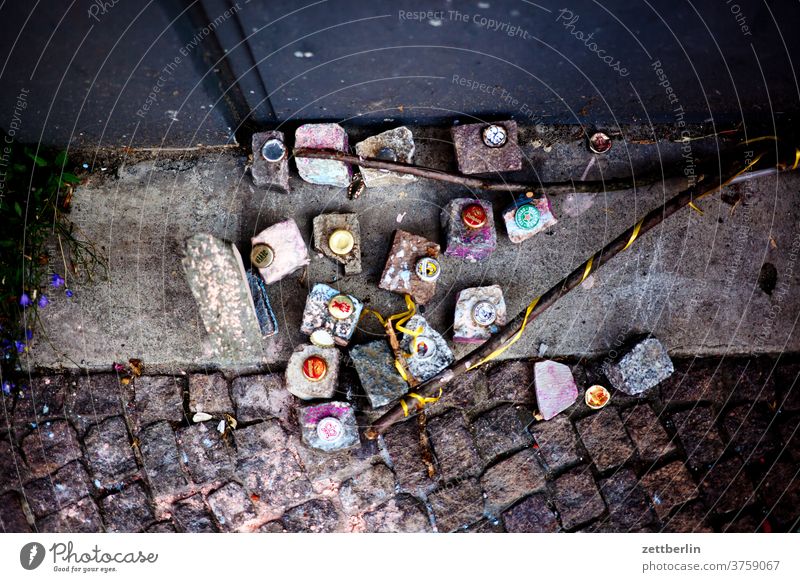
(469, 229)
(375, 364)
(338, 237)
(529, 215)
(395, 145)
(483, 148)
(312, 372)
(479, 313)
(429, 352)
(555, 388)
(323, 172)
(399, 274)
(332, 311)
(329, 427)
(288, 250)
(269, 170)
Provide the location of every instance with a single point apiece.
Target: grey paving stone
(557, 442)
(452, 443)
(275, 478)
(726, 486)
(512, 381)
(695, 380)
(193, 516)
(209, 393)
(669, 487)
(204, 453)
(464, 392)
(157, 398)
(647, 433)
(316, 516)
(109, 452)
(531, 515)
(260, 438)
(402, 444)
(91, 399)
(699, 436)
(605, 439)
(50, 446)
(502, 430)
(750, 430)
(12, 467)
(576, 498)
(160, 456)
(628, 507)
(67, 485)
(232, 506)
(401, 514)
(367, 489)
(510, 480)
(261, 396)
(127, 511)
(80, 517)
(12, 516)
(640, 369)
(457, 505)
(43, 400)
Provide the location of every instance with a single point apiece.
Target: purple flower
(25, 300)
(56, 280)
(69, 293)
(29, 333)
(7, 387)
(20, 346)
(43, 301)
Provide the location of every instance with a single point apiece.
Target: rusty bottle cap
(330, 429)
(341, 242)
(484, 313)
(599, 142)
(597, 397)
(474, 216)
(341, 306)
(315, 368)
(261, 255)
(428, 269)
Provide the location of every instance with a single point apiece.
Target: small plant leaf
(61, 159)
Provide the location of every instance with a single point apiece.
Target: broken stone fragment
(399, 143)
(264, 313)
(400, 273)
(642, 368)
(480, 312)
(333, 312)
(528, 216)
(474, 154)
(332, 225)
(312, 372)
(469, 227)
(555, 388)
(218, 281)
(429, 351)
(269, 171)
(330, 426)
(374, 363)
(323, 136)
(288, 249)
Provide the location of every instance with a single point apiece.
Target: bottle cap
(341, 242)
(261, 255)
(599, 142)
(423, 347)
(330, 429)
(341, 306)
(495, 136)
(484, 313)
(428, 269)
(315, 368)
(386, 154)
(273, 150)
(527, 216)
(597, 397)
(474, 216)
(322, 338)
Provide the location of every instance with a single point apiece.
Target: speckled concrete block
(555, 388)
(475, 157)
(641, 369)
(399, 274)
(329, 427)
(401, 141)
(471, 244)
(218, 281)
(374, 363)
(317, 315)
(518, 234)
(269, 174)
(323, 136)
(425, 364)
(465, 328)
(288, 246)
(264, 313)
(325, 225)
(305, 389)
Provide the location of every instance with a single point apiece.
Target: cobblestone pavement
(713, 448)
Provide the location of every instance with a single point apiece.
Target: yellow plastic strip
(423, 400)
(796, 159)
(634, 234)
(695, 208)
(588, 269)
(512, 341)
(378, 316)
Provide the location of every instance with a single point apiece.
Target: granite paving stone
(401, 514)
(157, 398)
(457, 505)
(780, 491)
(260, 438)
(109, 452)
(502, 430)
(531, 515)
(726, 486)
(261, 396)
(695, 380)
(453, 445)
(193, 515)
(749, 379)
(628, 508)
(209, 393)
(232, 506)
(161, 461)
(669, 487)
(42, 401)
(12, 466)
(750, 430)
(65, 486)
(698, 435)
(80, 517)
(605, 439)
(275, 478)
(557, 443)
(12, 516)
(204, 453)
(127, 511)
(316, 516)
(576, 498)
(642, 368)
(403, 446)
(50, 446)
(512, 381)
(465, 392)
(511, 479)
(367, 489)
(647, 433)
(91, 399)
(691, 518)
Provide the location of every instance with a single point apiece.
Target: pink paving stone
(322, 136)
(555, 388)
(289, 249)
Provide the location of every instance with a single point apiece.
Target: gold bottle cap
(261, 255)
(341, 242)
(341, 307)
(597, 397)
(315, 368)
